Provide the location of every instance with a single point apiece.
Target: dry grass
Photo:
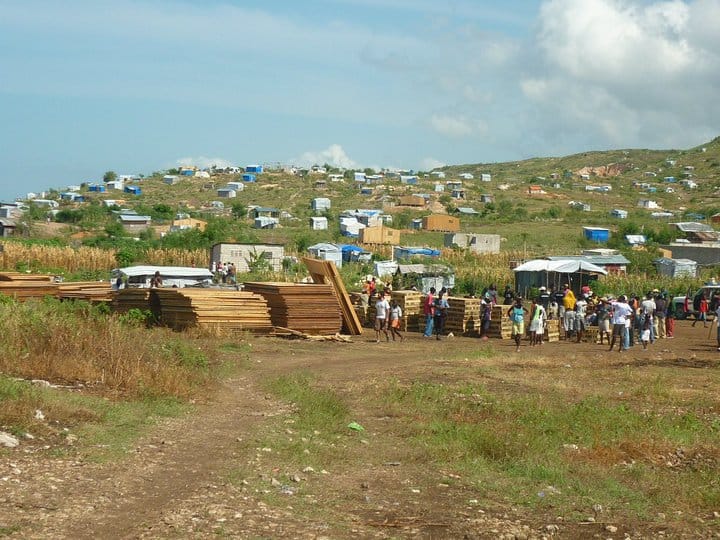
(70, 344)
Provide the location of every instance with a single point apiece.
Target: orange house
(441, 222)
(379, 235)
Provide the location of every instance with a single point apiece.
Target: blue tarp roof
(421, 251)
(351, 247)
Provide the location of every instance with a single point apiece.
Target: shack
(327, 252)
(424, 276)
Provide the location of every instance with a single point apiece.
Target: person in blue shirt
(441, 310)
(516, 313)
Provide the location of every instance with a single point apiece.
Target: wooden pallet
(90, 291)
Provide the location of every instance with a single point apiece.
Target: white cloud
(333, 155)
(428, 164)
(452, 126)
(625, 72)
(203, 162)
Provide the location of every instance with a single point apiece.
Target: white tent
(564, 267)
(172, 276)
(547, 273)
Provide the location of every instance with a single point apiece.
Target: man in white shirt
(382, 316)
(647, 310)
(620, 316)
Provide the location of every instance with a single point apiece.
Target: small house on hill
(405, 252)
(676, 267)
(261, 211)
(596, 234)
(441, 223)
(318, 223)
(171, 179)
(477, 243)
(226, 193)
(243, 255)
(257, 169)
(133, 190)
(618, 213)
(320, 204)
(135, 223)
(535, 190)
(327, 252)
(380, 234)
(263, 222)
(412, 200)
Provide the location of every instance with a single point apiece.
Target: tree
(239, 210)
(110, 176)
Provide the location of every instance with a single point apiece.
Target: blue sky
(142, 85)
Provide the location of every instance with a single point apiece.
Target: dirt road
(206, 474)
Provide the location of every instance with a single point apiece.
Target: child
(516, 313)
(395, 316)
(537, 323)
(645, 333)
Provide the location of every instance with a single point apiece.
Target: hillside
(631, 175)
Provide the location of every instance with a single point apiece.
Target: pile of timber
(90, 291)
(127, 299)
(552, 330)
(411, 304)
(463, 316)
(212, 308)
(25, 286)
(310, 308)
(500, 324)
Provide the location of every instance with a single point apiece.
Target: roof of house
(693, 226)
(467, 210)
(598, 260)
(129, 218)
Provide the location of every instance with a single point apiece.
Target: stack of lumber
(24, 286)
(500, 325)
(127, 299)
(411, 304)
(91, 291)
(212, 308)
(305, 307)
(552, 330)
(463, 315)
(325, 272)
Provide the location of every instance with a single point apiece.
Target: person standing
(620, 317)
(702, 311)
(441, 309)
(670, 319)
(659, 315)
(580, 313)
(395, 317)
(647, 309)
(508, 296)
(516, 313)
(156, 281)
(382, 316)
(603, 319)
(537, 323)
(568, 303)
(486, 308)
(429, 312)
(544, 298)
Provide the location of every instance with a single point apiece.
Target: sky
(137, 86)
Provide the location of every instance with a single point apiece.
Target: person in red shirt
(429, 312)
(702, 312)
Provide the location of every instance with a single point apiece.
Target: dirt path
(183, 481)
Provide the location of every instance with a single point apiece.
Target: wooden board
(326, 272)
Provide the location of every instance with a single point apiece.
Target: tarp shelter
(327, 252)
(424, 276)
(172, 276)
(545, 273)
(353, 253)
(408, 252)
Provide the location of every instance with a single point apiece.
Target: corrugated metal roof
(693, 226)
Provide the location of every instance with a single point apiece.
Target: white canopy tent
(172, 276)
(547, 273)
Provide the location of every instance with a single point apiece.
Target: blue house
(134, 190)
(596, 234)
(99, 188)
(257, 169)
(247, 177)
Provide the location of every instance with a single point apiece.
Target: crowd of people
(224, 272)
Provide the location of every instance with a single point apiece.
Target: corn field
(70, 259)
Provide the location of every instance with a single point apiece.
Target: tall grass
(75, 343)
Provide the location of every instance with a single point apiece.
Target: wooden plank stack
(463, 315)
(212, 308)
(25, 286)
(500, 325)
(305, 307)
(411, 304)
(90, 291)
(127, 299)
(552, 330)
(326, 272)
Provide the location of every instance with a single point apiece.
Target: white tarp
(172, 276)
(568, 266)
